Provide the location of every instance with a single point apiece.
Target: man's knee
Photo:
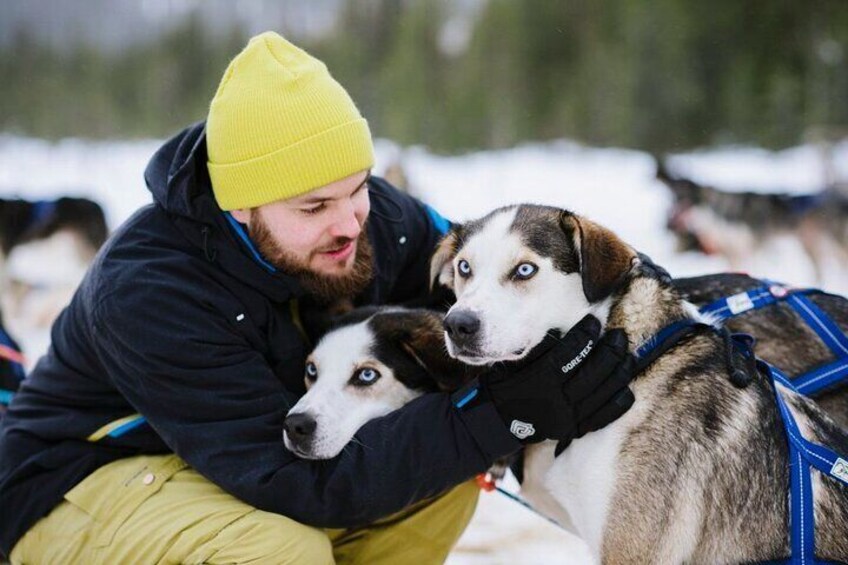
(263, 537)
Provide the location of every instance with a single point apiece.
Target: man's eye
(365, 376)
(311, 371)
(464, 268)
(525, 271)
(314, 210)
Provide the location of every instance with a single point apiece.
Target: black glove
(566, 386)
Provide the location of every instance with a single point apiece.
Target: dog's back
(784, 339)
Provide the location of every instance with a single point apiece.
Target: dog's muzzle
(300, 430)
(462, 327)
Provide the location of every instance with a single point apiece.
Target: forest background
(658, 75)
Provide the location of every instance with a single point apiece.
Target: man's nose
(347, 223)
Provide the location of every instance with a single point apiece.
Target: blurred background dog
(740, 225)
(46, 248)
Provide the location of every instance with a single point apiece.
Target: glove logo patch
(522, 430)
(579, 359)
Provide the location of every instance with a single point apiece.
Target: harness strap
(803, 455)
(730, 306)
(754, 299)
(811, 382)
(667, 338)
(821, 378)
(821, 323)
(772, 292)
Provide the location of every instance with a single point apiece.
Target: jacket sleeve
(216, 404)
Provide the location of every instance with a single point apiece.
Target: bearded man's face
(318, 237)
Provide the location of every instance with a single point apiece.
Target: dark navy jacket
(176, 320)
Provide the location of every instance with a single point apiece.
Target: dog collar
(664, 340)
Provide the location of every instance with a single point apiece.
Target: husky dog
(45, 248)
(737, 225)
(373, 362)
(696, 471)
(23, 221)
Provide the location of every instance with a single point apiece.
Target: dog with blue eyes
(373, 361)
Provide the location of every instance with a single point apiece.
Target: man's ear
(242, 215)
(441, 264)
(605, 259)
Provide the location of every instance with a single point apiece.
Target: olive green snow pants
(156, 509)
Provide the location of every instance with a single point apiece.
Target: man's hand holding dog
(566, 386)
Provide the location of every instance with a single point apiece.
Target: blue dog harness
(803, 454)
(818, 379)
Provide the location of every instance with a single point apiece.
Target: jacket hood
(178, 179)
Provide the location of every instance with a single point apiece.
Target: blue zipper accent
(129, 426)
(467, 398)
(439, 222)
(6, 396)
(245, 239)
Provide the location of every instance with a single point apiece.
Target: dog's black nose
(462, 326)
(300, 427)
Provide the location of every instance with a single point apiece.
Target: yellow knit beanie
(280, 126)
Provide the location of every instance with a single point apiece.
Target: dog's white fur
(338, 407)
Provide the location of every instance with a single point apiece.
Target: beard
(325, 288)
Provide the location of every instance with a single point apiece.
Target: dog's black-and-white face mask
(365, 368)
(521, 271)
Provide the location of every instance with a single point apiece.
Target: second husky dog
(697, 471)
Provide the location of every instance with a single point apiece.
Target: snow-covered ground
(612, 186)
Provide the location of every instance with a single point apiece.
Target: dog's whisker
(358, 442)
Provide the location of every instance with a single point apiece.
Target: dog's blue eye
(525, 270)
(464, 268)
(311, 371)
(366, 376)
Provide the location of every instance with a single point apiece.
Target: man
(151, 431)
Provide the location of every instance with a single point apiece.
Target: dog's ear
(441, 264)
(419, 334)
(605, 259)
